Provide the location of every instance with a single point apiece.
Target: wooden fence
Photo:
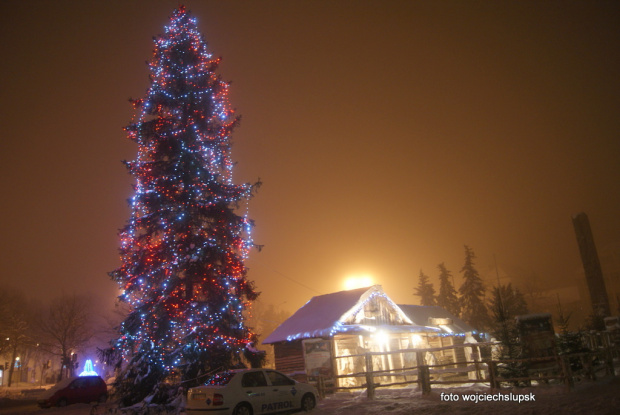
(481, 369)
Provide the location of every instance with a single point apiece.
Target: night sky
(387, 135)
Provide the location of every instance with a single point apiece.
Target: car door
(254, 385)
(92, 391)
(76, 391)
(283, 395)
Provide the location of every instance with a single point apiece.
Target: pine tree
(506, 303)
(595, 322)
(510, 299)
(185, 243)
(425, 290)
(568, 342)
(473, 309)
(447, 294)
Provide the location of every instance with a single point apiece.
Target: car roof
(244, 370)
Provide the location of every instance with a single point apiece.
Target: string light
(184, 246)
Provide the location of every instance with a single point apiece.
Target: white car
(250, 392)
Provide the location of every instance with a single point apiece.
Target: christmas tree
(473, 308)
(184, 246)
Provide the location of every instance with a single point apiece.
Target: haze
(387, 135)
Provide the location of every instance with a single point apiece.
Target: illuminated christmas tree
(184, 246)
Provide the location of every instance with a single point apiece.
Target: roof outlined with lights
(353, 311)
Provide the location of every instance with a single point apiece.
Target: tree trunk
(12, 367)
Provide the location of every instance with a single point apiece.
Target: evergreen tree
(473, 308)
(568, 342)
(595, 322)
(510, 299)
(184, 247)
(447, 294)
(425, 290)
(506, 303)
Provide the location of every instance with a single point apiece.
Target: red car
(78, 389)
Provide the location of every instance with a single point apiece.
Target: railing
(487, 370)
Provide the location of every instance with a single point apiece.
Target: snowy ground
(600, 397)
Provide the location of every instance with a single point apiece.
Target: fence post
(492, 367)
(424, 376)
(477, 369)
(475, 354)
(370, 387)
(609, 362)
(426, 379)
(321, 386)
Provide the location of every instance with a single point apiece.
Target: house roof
(325, 315)
(423, 315)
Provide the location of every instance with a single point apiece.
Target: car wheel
(243, 409)
(62, 402)
(308, 402)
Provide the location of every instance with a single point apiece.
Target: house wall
(377, 311)
(349, 345)
(350, 350)
(289, 357)
(459, 352)
(447, 356)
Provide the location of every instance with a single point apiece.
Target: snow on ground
(600, 397)
(33, 409)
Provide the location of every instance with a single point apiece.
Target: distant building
(537, 336)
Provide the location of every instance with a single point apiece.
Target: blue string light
(184, 246)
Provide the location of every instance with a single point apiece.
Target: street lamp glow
(357, 281)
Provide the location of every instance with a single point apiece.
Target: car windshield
(62, 384)
(220, 379)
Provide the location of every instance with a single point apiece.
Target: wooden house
(454, 331)
(331, 334)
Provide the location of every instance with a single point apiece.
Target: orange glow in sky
(357, 281)
(386, 138)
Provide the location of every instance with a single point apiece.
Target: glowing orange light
(357, 281)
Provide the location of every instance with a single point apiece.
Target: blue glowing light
(88, 369)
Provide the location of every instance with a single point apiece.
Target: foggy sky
(387, 135)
